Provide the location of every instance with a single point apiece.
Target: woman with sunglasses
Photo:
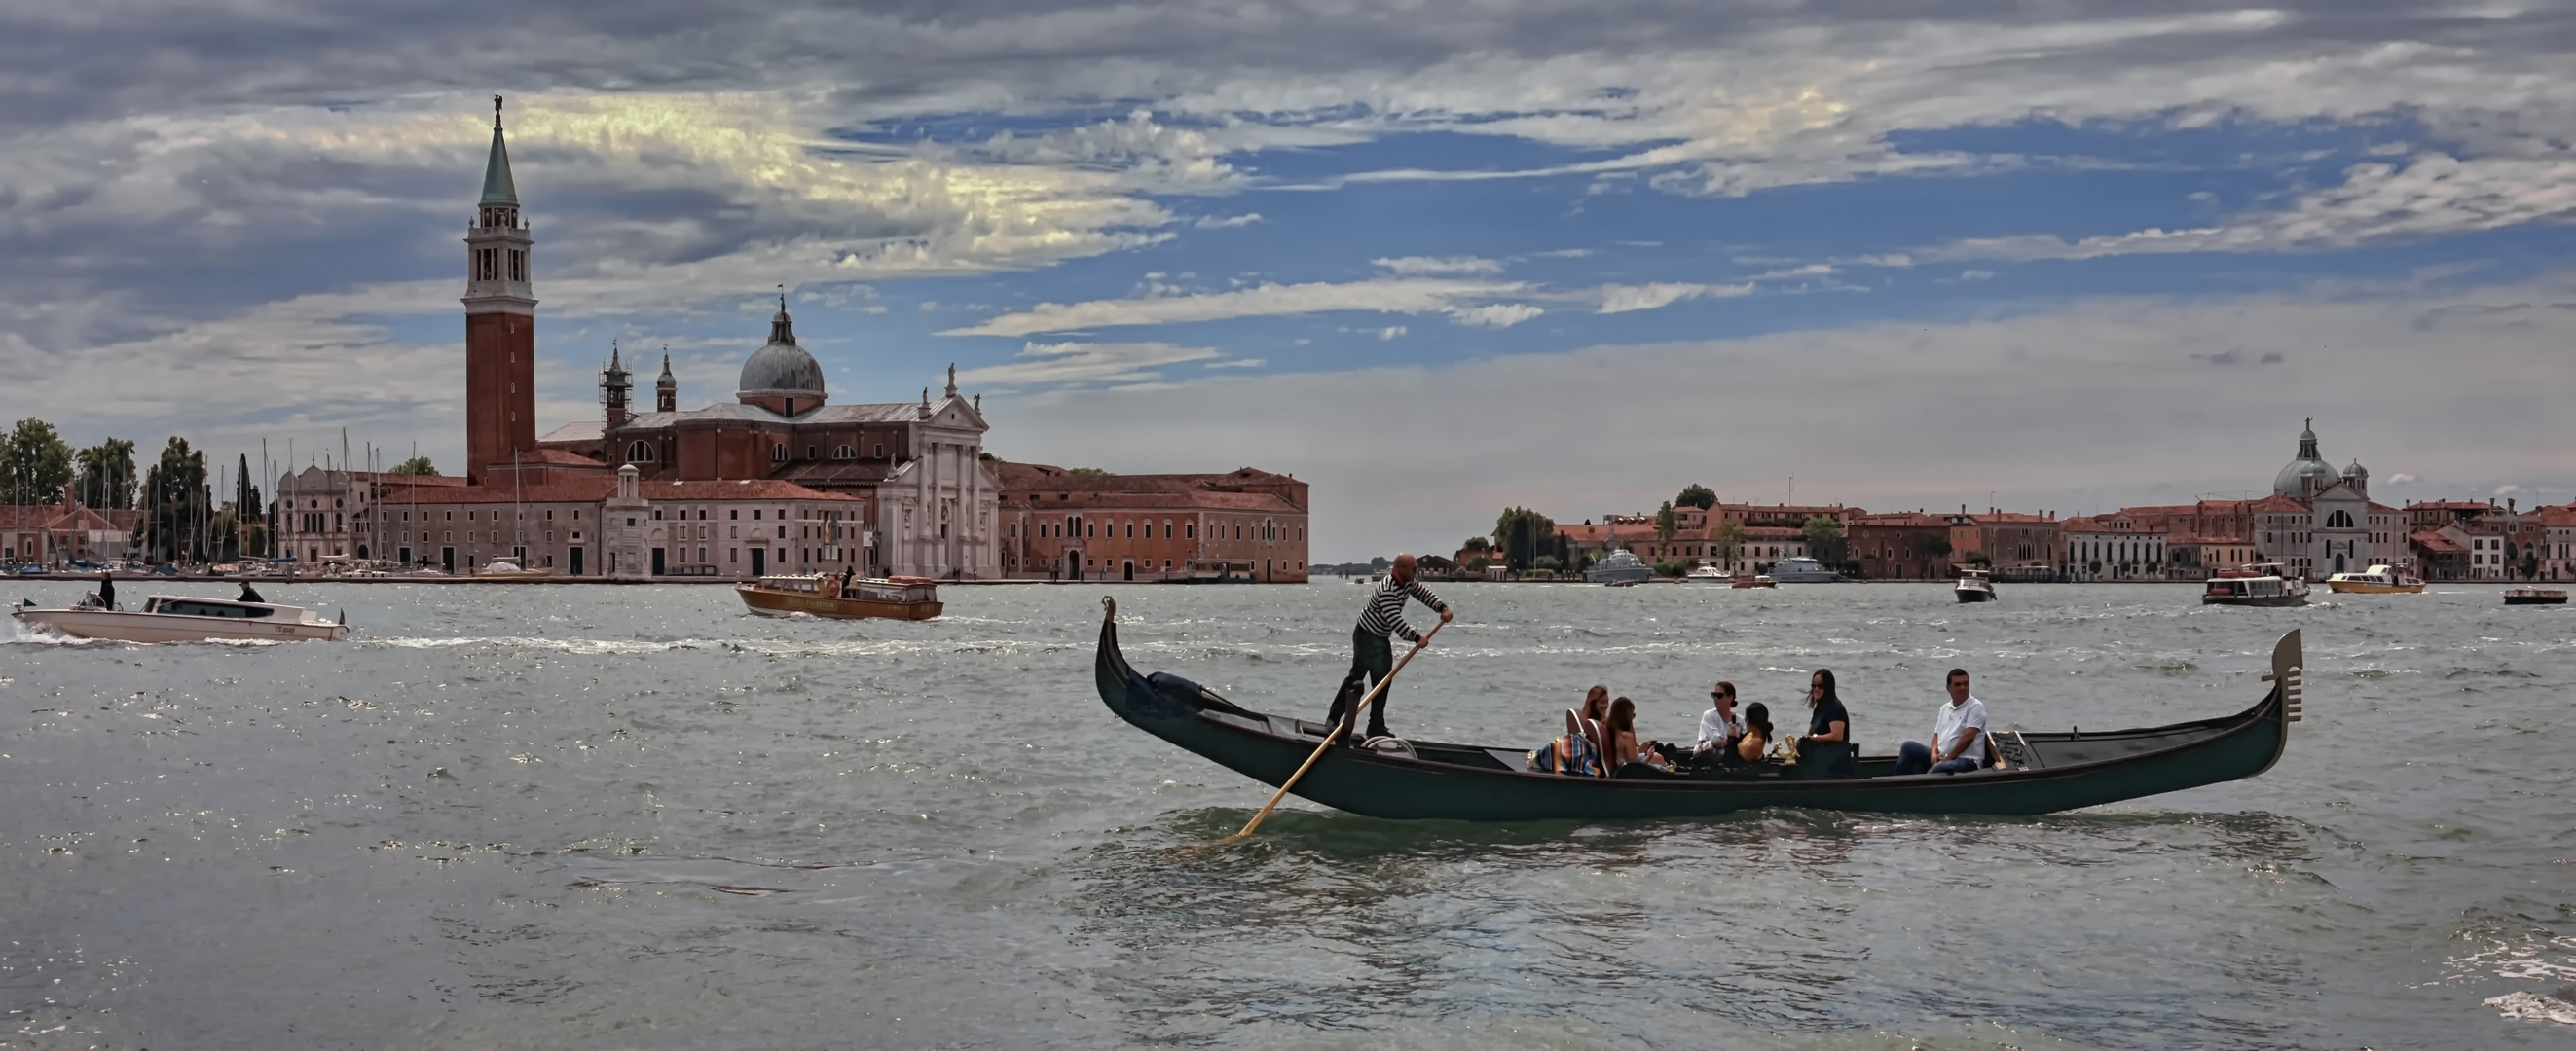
(1718, 726)
(1827, 746)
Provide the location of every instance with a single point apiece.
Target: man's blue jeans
(1915, 757)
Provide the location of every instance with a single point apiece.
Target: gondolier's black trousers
(1371, 659)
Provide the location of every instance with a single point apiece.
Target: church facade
(777, 480)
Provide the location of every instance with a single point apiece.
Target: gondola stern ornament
(2289, 667)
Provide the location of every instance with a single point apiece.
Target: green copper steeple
(497, 188)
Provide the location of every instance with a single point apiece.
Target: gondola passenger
(1827, 744)
(1718, 726)
(1958, 735)
(1755, 740)
(1625, 748)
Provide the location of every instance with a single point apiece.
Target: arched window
(841, 453)
(639, 452)
(2339, 520)
(778, 452)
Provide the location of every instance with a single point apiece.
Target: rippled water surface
(638, 818)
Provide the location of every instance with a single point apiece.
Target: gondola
(2037, 773)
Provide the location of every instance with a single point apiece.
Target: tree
(1730, 539)
(1090, 472)
(106, 474)
(1824, 539)
(175, 504)
(1476, 543)
(1697, 495)
(1547, 563)
(418, 465)
(35, 463)
(1667, 522)
(1523, 535)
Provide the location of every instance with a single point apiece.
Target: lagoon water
(638, 818)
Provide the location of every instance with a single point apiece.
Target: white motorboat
(1799, 569)
(1619, 568)
(1708, 574)
(505, 568)
(2260, 584)
(2377, 580)
(177, 618)
(1974, 585)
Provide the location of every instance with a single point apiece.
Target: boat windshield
(180, 607)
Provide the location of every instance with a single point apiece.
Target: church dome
(781, 367)
(2307, 473)
(2356, 472)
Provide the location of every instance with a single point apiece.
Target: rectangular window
(1189, 530)
(755, 514)
(451, 516)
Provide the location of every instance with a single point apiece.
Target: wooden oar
(1351, 720)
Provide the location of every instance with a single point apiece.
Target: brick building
(2005, 540)
(1905, 545)
(1248, 524)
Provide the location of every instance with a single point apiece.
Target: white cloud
(1621, 299)
(2433, 194)
(1238, 363)
(1399, 295)
(1210, 222)
(2401, 478)
(1390, 332)
(1495, 315)
(1414, 265)
(1074, 363)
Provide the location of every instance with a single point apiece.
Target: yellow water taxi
(2377, 580)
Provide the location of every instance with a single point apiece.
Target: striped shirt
(1385, 613)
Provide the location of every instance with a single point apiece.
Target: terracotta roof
(1899, 519)
(2433, 540)
(753, 489)
(2276, 503)
(843, 471)
(2010, 518)
(594, 490)
(546, 458)
(1112, 502)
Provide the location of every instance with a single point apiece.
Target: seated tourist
(1624, 746)
(1718, 726)
(1958, 735)
(1749, 746)
(1827, 745)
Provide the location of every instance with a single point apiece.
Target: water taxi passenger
(250, 594)
(1755, 740)
(1624, 746)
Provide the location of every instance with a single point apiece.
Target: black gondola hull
(1472, 783)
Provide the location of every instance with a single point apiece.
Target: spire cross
(496, 112)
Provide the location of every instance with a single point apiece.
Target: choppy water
(637, 818)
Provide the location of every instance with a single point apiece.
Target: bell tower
(500, 322)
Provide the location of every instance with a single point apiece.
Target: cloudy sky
(1434, 257)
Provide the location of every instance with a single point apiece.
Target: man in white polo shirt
(1958, 735)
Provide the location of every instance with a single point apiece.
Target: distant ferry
(1974, 585)
(1619, 567)
(2377, 580)
(2535, 596)
(1799, 569)
(2260, 584)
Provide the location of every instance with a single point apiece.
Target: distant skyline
(1435, 261)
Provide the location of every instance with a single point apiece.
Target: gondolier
(1371, 655)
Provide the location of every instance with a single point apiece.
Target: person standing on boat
(1371, 656)
(1958, 735)
(107, 590)
(250, 594)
